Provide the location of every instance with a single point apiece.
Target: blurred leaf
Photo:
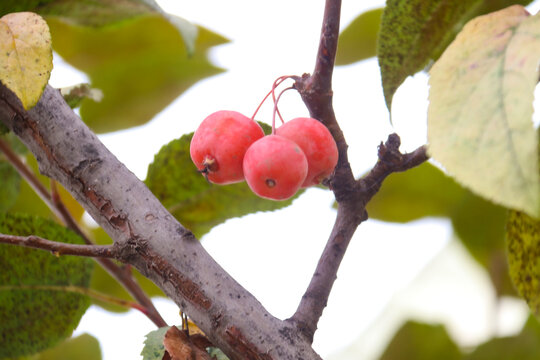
(421, 341)
(419, 192)
(104, 283)
(99, 13)
(523, 237)
(417, 31)
(82, 347)
(11, 6)
(10, 184)
(480, 225)
(426, 191)
(33, 320)
(3, 129)
(197, 204)
(480, 111)
(358, 41)
(525, 346)
(153, 345)
(29, 202)
(139, 71)
(25, 55)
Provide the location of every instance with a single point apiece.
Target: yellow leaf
(25, 55)
(480, 114)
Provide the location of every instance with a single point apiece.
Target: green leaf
(523, 238)
(33, 320)
(416, 193)
(415, 32)
(411, 31)
(10, 184)
(197, 204)
(11, 6)
(25, 55)
(153, 345)
(525, 346)
(139, 71)
(421, 342)
(82, 347)
(358, 41)
(99, 13)
(95, 13)
(480, 113)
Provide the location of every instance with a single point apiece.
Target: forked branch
(351, 195)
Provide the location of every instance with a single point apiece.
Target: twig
(350, 215)
(56, 205)
(59, 248)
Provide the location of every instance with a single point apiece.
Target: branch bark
(59, 248)
(351, 195)
(146, 235)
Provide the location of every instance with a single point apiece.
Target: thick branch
(351, 195)
(146, 235)
(60, 248)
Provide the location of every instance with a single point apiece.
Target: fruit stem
(276, 100)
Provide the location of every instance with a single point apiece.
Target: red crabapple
(219, 144)
(275, 167)
(317, 144)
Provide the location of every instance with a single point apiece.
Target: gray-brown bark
(146, 235)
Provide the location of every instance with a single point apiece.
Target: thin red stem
(276, 100)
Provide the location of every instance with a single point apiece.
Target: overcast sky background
(383, 279)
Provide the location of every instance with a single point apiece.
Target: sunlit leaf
(82, 347)
(32, 319)
(415, 32)
(480, 113)
(197, 204)
(358, 41)
(141, 66)
(25, 55)
(419, 341)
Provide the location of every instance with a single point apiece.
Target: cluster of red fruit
(229, 147)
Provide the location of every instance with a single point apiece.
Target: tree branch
(316, 296)
(351, 195)
(60, 248)
(146, 235)
(55, 204)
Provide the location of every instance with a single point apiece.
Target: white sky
(273, 254)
